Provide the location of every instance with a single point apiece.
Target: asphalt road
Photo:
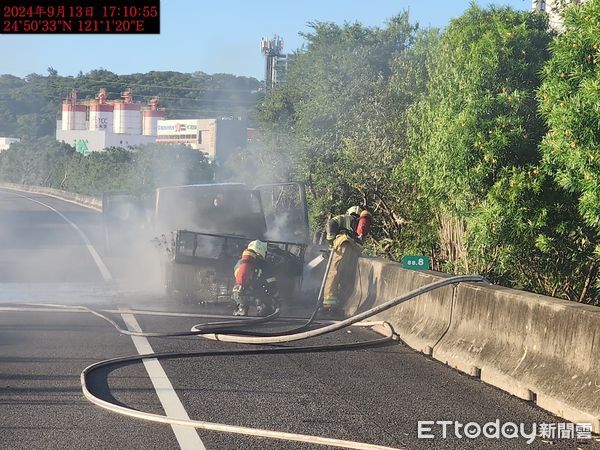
(374, 395)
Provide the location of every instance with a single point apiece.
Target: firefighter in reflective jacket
(345, 233)
(254, 281)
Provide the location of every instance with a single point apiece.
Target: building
(277, 63)
(216, 138)
(100, 124)
(6, 141)
(554, 9)
(87, 141)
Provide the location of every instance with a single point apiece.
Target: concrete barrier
(538, 348)
(420, 322)
(87, 201)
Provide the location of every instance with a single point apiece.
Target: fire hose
(202, 330)
(226, 331)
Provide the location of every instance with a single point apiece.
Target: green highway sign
(415, 262)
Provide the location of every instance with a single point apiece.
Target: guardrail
(87, 201)
(535, 347)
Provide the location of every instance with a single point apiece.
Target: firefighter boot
(263, 308)
(241, 310)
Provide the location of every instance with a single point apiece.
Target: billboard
(177, 127)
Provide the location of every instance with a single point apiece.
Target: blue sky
(213, 36)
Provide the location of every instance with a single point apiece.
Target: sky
(214, 36)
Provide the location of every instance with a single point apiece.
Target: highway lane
(43, 259)
(41, 405)
(375, 395)
(37, 245)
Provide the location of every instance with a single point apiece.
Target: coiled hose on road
(202, 330)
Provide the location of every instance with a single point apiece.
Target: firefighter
(345, 234)
(254, 281)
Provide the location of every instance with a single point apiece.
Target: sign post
(416, 262)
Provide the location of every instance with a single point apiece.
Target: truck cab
(201, 231)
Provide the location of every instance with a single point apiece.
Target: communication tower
(276, 62)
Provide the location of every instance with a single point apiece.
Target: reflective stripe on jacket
(342, 224)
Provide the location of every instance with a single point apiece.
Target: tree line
(478, 145)
(49, 163)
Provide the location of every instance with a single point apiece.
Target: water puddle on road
(93, 295)
(63, 293)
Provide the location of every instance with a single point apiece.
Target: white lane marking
(106, 275)
(186, 436)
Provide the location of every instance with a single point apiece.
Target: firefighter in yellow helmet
(345, 234)
(255, 281)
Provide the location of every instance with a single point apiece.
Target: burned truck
(201, 230)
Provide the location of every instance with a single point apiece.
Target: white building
(97, 125)
(6, 141)
(554, 9)
(216, 138)
(86, 141)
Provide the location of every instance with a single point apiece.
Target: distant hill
(30, 106)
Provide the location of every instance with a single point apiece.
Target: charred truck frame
(202, 230)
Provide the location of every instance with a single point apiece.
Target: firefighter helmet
(354, 210)
(258, 247)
